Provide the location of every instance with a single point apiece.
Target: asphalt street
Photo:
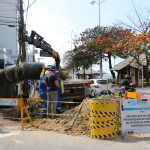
(46, 140)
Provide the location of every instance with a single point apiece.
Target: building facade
(8, 32)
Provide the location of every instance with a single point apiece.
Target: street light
(101, 65)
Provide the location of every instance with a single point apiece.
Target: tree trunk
(84, 73)
(110, 65)
(146, 72)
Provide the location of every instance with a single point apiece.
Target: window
(101, 81)
(1, 63)
(92, 82)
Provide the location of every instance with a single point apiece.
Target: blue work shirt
(42, 86)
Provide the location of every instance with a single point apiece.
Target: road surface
(46, 140)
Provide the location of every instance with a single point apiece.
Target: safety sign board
(8, 102)
(135, 116)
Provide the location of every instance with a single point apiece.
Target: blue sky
(57, 20)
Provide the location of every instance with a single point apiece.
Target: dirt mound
(76, 121)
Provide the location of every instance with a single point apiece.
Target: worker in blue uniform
(43, 92)
(60, 91)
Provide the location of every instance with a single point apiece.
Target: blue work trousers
(44, 103)
(58, 109)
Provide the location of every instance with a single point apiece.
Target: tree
(103, 42)
(79, 58)
(140, 45)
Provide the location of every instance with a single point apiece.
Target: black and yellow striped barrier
(104, 118)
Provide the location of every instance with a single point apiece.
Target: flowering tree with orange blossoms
(115, 41)
(106, 42)
(135, 47)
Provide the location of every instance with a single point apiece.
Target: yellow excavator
(75, 89)
(38, 41)
(26, 70)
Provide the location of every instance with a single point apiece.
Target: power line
(30, 5)
(27, 11)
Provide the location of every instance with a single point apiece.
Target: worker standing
(51, 82)
(43, 91)
(60, 91)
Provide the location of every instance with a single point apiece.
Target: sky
(59, 21)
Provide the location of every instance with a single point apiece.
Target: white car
(103, 86)
(90, 91)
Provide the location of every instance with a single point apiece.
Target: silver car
(103, 86)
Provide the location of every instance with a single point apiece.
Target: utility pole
(101, 59)
(22, 48)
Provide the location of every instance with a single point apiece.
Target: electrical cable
(30, 6)
(27, 12)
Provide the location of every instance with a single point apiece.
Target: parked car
(102, 85)
(90, 91)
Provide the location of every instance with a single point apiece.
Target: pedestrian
(43, 91)
(51, 82)
(60, 91)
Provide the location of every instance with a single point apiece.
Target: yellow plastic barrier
(104, 118)
(133, 95)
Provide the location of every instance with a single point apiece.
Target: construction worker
(51, 82)
(60, 91)
(43, 91)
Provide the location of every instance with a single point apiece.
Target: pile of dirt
(33, 105)
(74, 121)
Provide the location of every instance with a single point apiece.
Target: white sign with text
(135, 116)
(8, 102)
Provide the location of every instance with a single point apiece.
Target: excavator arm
(39, 42)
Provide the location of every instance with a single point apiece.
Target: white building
(8, 32)
(9, 21)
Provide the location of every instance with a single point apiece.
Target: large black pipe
(16, 73)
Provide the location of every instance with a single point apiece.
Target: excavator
(75, 89)
(24, 71)
(38, 41)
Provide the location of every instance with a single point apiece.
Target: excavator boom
(39, 42)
